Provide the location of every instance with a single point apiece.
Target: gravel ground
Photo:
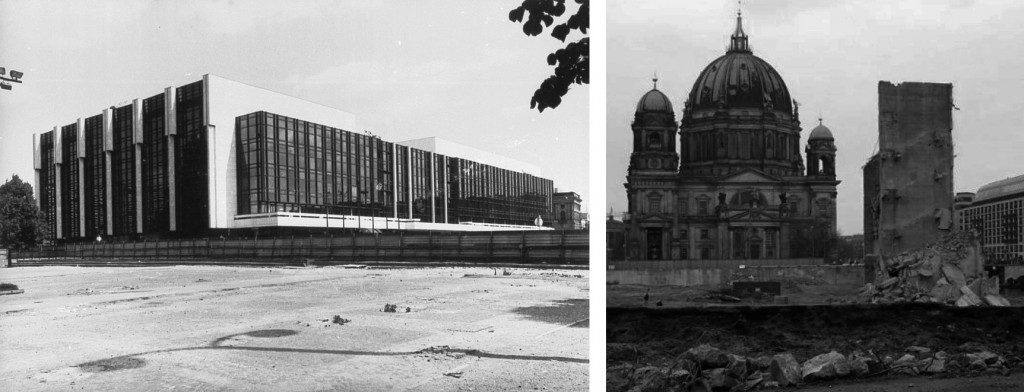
(223, 328)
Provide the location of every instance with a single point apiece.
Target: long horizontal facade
(217, 154)
(996, 213)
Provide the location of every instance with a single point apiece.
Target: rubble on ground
(950, 271)
(716, 370)
(340, 321)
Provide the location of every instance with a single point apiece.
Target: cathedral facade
(737, 186)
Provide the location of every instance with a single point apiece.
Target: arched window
(654, 140)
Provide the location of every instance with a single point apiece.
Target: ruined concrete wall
(872, 202)
(915, 164)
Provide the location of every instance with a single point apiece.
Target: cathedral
(737, 187)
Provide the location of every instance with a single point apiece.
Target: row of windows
(155, 195)
(70, 213)
(287, 164)
(95, 169)
(48, 189)
(706, 146)
(122, 164)
(703, 204)
(190, 168)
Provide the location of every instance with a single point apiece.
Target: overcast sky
(832, 56)
(458, 70)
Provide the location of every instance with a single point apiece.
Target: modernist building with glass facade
(219, 155)
(996, 213)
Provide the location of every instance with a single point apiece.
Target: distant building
(908, 184)
(961, 201)
(217, 155)
(737, 187)
(997, 214)
(565, 207)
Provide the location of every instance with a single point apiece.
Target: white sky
(458, 70)
(832, 56)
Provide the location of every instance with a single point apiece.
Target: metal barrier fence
(555, 247)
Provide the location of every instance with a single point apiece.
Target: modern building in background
(908, 184)
(997, 214)
(737, 187)
(217, 155)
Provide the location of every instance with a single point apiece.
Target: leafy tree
(21, 222)
(572, 63)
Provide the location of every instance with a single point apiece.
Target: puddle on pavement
(560, 312)
(112, 364)
(271, 333)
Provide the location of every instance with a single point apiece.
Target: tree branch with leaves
(572, 62)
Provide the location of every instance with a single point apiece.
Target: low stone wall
(719, 276)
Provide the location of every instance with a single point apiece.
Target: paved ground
(221, 328)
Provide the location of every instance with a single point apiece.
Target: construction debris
(340, 321)
(722, 371)
(950, 271)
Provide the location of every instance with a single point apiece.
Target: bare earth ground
(224, 328)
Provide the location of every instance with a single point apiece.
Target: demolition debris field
(223, 328)
(648, 348)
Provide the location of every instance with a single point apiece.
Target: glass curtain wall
(123, 172)
(155, 205)
(48, 185)
(69, 182)
(190, 162)
(95, 178)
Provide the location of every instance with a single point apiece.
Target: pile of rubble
(715, 370)
(950, 271)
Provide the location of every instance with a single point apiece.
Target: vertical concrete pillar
(137, 144)
(171, 131)
(394, 180)
(37, 164)
(723, 238)
(108, 148)
(691, 252)
(433, 188)
(58, 161)
(447, 207)
(80, 161)
(408, 174)
(784, 240)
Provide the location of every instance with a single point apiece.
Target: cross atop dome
(739, 38)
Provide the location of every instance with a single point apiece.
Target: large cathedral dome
(739, 80)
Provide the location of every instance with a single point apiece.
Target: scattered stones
(720, 379)
(919, 350)
(823, 367)
(785, 370)
(340, 321)
(707, 356)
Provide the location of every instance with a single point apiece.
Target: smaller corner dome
(654, 101)
(820, 132)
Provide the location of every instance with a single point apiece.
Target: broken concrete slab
(785, 370)
(822, 367)
(954, 275)
(707, 356)
(996, 300)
